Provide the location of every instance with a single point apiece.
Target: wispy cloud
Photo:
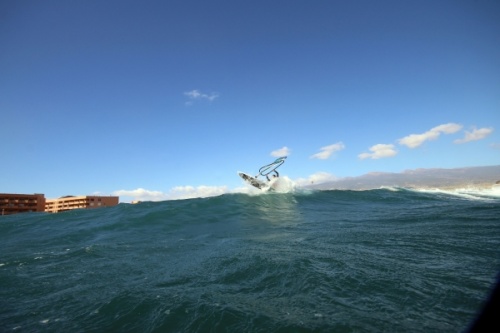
(379, 151)
(317, 178)
(475, 134)
(327, 151)
(188, 192)
(176, 193)
(141, 194)
(195, 95)
(495, 146)
(285, 151)
(415, 140)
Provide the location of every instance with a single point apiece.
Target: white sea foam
(471, 193)
(275, 185)
(391, 188)
(282, 185)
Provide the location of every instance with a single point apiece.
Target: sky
(159, 100)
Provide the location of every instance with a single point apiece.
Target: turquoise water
(389, 260)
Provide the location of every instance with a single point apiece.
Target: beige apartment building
(79, 202)
(25, 203)
(21, 203)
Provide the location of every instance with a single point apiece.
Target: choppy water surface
(333, 261)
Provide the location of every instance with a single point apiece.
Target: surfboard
(253, 181)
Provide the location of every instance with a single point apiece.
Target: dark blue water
(390, 260)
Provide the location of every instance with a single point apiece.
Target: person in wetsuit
(276, 175)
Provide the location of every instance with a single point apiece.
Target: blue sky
(169, 99)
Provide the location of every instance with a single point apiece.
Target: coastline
(470, 178)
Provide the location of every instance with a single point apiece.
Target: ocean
(383, 260)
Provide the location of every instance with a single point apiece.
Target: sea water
(392, 260)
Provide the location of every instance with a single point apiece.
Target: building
(24, 203)
(79, 202)
(21, 203)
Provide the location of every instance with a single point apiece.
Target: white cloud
(178, 192)
(327, 151)
(142, 194)
(415, 140)
(379, 151)
(194, 95)
(449, 128)
(495, 145)
(188, 192)
(285, 151)
(317, 178)
(475, 134)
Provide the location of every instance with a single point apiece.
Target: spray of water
(282, 185)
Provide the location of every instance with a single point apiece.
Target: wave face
(390, 259)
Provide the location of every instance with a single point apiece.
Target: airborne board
(253, 181)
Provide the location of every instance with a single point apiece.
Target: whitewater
(389, 259)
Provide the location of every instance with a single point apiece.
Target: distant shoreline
(484, 177)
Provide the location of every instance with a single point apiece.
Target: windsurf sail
(271, 168)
